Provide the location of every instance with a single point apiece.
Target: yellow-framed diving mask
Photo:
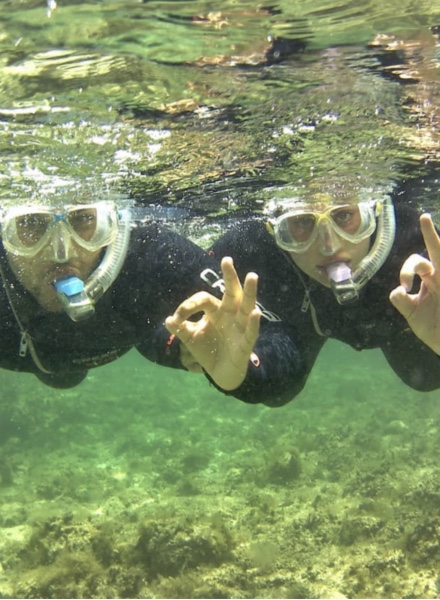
(296, 229)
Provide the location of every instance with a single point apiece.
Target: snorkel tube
(344, 283)
(77, 297)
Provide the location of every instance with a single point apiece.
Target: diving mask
(297, 229)
(27, 230)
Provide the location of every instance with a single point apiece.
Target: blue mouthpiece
(70, 286)
(72, 295)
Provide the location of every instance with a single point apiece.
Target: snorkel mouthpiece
(342, 283)
(72, 295)
(338, 272)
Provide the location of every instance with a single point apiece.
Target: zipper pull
(306, 302)
(23, 344)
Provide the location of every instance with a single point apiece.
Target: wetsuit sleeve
(284, 357)
(161, 347)
(62, 380)
(414, 362)
(278, 369)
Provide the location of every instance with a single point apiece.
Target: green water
(146, 482)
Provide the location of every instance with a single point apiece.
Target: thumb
(401, 300)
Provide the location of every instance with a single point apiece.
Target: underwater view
(136, 480)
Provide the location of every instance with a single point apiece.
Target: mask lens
(31, 228)
(347, 219)
(300, 227)
(83, 222)
(93, 226)
(295, 232)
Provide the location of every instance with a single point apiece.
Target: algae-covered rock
(285, 468)
(167, 547)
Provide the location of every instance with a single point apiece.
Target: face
(45, 245)
(324, 234)
(38, 272)
(327, 249)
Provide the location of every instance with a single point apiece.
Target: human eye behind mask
(25, 234)
(84, 223)
(30, 229)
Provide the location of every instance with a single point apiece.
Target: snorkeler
(332, 266)
(83, 283)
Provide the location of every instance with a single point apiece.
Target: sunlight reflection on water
(215, 110)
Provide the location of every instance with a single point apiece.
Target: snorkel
(347, 284)
(77, 297)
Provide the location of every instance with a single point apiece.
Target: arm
(413, 361)
(223, 343)
(422, 309)
(62, 380)
(282, 368)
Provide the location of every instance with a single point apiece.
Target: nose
(330, 242)
(60, 244)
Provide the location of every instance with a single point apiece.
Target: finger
(431, 238)
(248, 341)
(188, 360)
(253, 328)
(172, 324)
(184, 331)
(414, 265)
(249, 299)
(401, 300)
(199, 302)
(249, 293)
(233, 289)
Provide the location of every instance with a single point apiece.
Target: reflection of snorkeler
(414, 63)
(329, 268)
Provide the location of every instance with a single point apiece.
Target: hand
(222, 341)
(422, 310)
(188, 361)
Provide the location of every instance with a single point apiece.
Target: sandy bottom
(148, 483)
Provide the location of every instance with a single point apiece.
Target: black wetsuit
(287, 349)
(160, 271)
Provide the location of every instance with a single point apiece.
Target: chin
(49, 302)
(321, 279)
(53, 307)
